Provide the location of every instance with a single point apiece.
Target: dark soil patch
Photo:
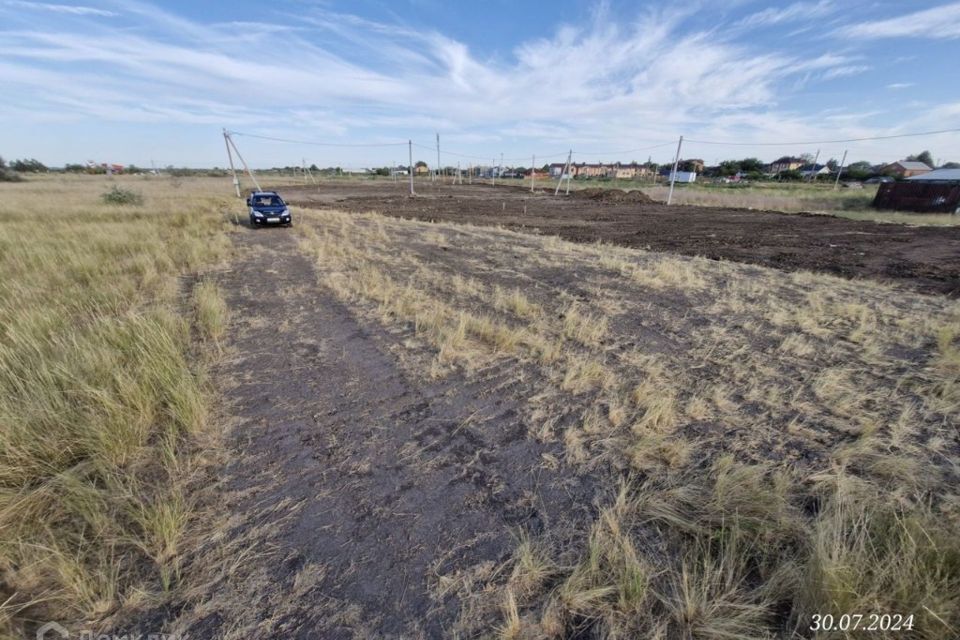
(353, 486)
(923, 258)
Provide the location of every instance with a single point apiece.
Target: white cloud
(938, 22)
(791, 13)
(894, 86)
(61, 8)
(605, 84)
(845, 71)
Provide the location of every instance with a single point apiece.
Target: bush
(116, 195)
(7, 175)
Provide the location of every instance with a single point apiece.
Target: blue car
(267, 208)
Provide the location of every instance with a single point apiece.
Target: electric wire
(811, 142)
(317, 144)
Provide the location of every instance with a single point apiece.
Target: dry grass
(753, 402)
(855, 204)
(99, 389)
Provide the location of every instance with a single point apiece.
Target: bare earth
(924, 258)
(411, 405)
(352, 487)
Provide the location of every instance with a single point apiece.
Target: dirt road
(924, 258)
(356, 493)
(432, 429)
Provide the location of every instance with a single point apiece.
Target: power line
(317, 144)
(617, 153)
(866, 139)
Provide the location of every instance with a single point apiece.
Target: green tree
(6, 174)
(28, 166)
(951, 165)
(924, 157)
(860, 170)
(729, 168)
(752, 165)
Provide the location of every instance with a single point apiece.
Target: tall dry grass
(786, 441)
(101, 389)
(855, 204)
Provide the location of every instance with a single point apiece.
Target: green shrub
(116, 195)
(7, 174)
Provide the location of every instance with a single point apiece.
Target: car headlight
(285, 212)
(257, 214)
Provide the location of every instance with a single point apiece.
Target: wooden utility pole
(410, 166)
(437, 172)
(533, 171)
(813, 169)
(673, 176)
(243, 162)
(236, 180)
(566, 173)
(843, 162)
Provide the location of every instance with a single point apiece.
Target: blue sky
(135, 82)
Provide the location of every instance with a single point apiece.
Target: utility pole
(533, 171)
(493, 171)
(843, 162)
(437, 172)
(410, 166)
(236, 180)
(813, 169)
(673, 176)
(243, 162)
(566, 173)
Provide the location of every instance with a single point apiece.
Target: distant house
(905, 168)
(938, 175)
(584, 170)
(421, 170)
(556, 169)
(786, 163)
(814, 170)
(684, 176)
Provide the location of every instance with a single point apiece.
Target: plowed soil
(923, 258)
(352, 486)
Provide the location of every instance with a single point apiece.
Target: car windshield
(267, 201)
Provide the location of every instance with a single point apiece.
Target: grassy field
(102, 389)
(794, 198)
(775, 445)
(771, 445)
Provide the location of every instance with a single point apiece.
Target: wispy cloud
(340, 77)
(938, 22)
(790, 13)
(845, 71)
(60, 8)
(895, 86)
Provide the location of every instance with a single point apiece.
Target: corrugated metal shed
(950, 175)
(921, 196)
(913, 165)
